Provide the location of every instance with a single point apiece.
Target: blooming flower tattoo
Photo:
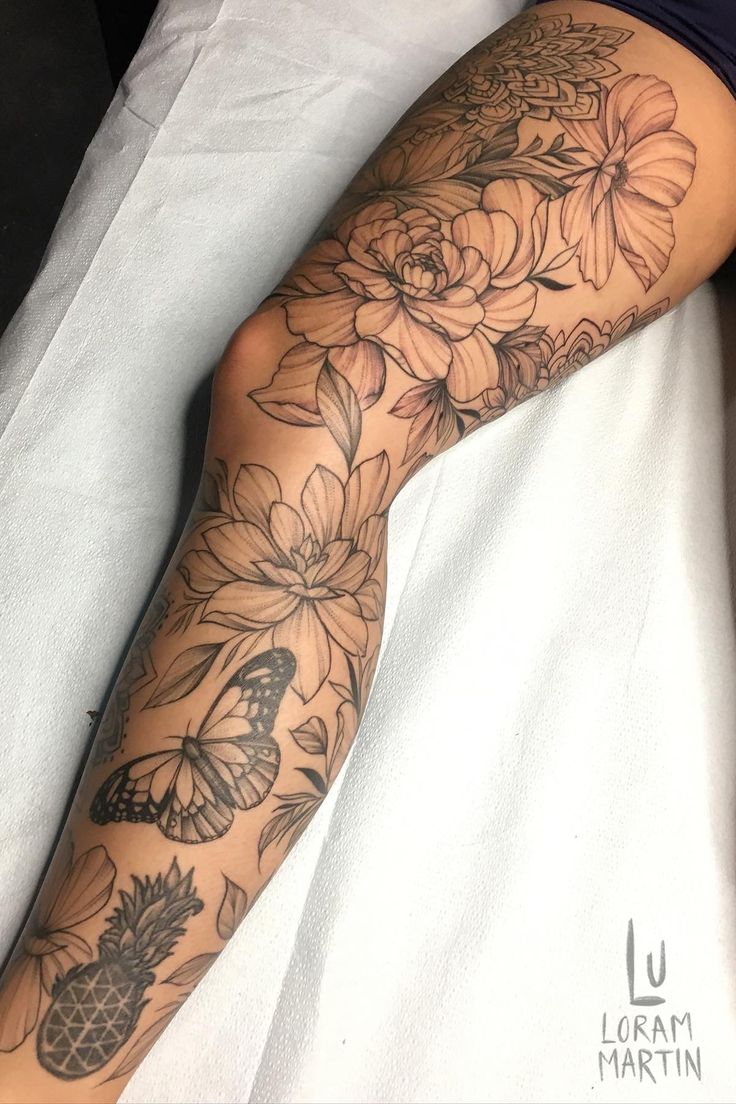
(636, 170)
(308, 576)
(533, 169)
(51, 947)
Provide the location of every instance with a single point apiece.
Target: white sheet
(549, 747)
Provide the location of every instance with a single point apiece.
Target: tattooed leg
(553, 192)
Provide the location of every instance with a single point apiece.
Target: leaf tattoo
(191, 972)
(147, 1040)
(184, 674)
(532, 169)
(340, 410)
(305, 578)
(311, 736)
(232, 909)
(462, 225)
(291, 817)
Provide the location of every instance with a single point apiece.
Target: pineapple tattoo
(95, 1007)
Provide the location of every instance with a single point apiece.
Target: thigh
(562, 185)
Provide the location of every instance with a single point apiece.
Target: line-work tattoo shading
(95, 1007)
(531, 168)
(51, 946)
(192, 792)
(296, 811)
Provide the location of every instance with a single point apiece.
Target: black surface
(55, 86)
(123, 26)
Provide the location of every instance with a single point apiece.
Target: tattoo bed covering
(542, 790)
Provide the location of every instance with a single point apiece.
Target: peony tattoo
(532, 170)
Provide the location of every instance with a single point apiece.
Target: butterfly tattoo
(193, 791)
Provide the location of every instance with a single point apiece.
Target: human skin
(562, 185)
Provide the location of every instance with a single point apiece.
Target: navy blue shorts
(705, 27)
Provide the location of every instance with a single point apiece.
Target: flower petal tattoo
(534, 166)
(637, 168)
(306, 576)
(50, 946)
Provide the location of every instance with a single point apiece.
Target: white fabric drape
(549, 748)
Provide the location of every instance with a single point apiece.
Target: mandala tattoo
(138, 673)
(532, 169)
(539, 66)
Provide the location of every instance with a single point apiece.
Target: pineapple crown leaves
(149, 921)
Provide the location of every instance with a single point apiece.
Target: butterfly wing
(192, 793)
(222, 776)
(261, 684)
(194, 811)
(136, 791)
(245, 766)
(238, 753)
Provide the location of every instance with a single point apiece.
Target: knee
(252, 353)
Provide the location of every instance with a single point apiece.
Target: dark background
(60, 62)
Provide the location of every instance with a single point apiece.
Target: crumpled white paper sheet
(549, 748)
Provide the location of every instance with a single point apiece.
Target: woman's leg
(562, 185)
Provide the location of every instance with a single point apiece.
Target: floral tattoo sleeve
(532, 169)
(536, 169)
